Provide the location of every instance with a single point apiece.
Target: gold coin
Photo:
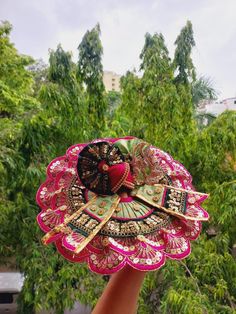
(105, 241)
(100, 212)
(102, 204)
(158, 190)
(93, 207)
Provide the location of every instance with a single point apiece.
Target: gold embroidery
(109, 213)
(60, 227)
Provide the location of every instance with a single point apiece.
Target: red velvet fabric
(119, 175)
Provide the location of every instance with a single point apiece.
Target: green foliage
(34, 131)
(45, 110)
(131, 103)
(39, 70)
(202, 92)
(12, 65)
(218, 141)
(61, 67)
(162, 111)
(90, 72)
(113, 100)
(15, 80)
(183, 63)
(157, 109)
(204, 119)
(157, 89)
(202, 89)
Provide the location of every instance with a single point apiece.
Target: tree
(130, 108)
(204, 119)
(33, 133)
(113, 100)
(156, 108)
(199, 89)
(203, 89)
(182, 62)
(203, 92)
(63, 98)
(205, 281)
(16, 102)
(159, 93)
(15, 80)
(39, 69)
(185, 76)
(90, 72)
(187, 287)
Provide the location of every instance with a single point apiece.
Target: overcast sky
(42, 24)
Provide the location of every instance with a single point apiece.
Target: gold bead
(105, 167)
(155, 198)
(100, 212)
(93, 207)
(158, 190)
(105, 241)
(102, 204)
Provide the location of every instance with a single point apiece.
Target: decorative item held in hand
(121, 201)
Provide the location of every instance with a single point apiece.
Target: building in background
(208, 110)
(216, 107)
(111, 81)
(229, 103)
